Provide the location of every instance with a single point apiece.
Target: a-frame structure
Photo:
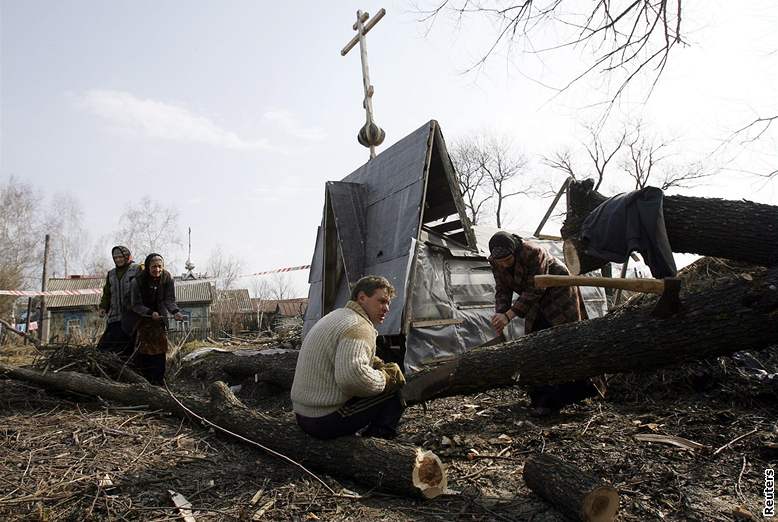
(374, 218)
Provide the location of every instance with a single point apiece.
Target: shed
(401, 216)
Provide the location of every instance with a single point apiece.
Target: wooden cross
(370, 135)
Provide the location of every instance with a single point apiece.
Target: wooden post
(29, 311)
(43, 326)
(362, 26)
(623, 275)
(561, 191)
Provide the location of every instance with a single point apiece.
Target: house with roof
(74, 319)
(232, 312)
(273, 314)
(194, 298)
(401, 216)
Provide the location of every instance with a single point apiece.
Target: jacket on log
(631, 222)
(557, 305)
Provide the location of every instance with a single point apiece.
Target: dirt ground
(64, 457)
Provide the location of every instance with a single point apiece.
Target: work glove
(394, 376)
(377, 363)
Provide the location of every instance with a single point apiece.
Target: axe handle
(653, 286)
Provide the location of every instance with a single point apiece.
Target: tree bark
(732, 314)
(376, 463)
(575, 493)
(275, 368)
(739, 230)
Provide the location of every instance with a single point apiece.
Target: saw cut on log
(375, 463)
(740, 230)
(573, 492)
(728, 315)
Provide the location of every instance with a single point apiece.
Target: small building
(274, 314)
(232, 312)
(73, 318)
(194, 298)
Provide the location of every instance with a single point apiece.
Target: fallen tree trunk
(376, 463)
(740, 230)
(272, 366)
(732, 314)
(575, 493)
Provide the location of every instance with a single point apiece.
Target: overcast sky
(237, 112)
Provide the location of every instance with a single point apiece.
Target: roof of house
(74, 283)
(284, 307)
(232, 301)
(186, 292)
(191, 292)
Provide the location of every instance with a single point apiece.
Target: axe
(667, 288)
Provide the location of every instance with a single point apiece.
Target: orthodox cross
(370, 135)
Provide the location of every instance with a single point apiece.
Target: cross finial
(370, 135)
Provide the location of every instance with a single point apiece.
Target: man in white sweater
(340, 386)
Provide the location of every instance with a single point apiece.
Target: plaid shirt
(557, 305)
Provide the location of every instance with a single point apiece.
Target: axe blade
(669, 302)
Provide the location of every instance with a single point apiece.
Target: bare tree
(224, 268)
(148, 227)
(503, 166)
(626, 38)
(492, 169)
(632, 155)
(473, 181)
(643, 155)
(69, 238)
(21, 238)
(97, 259)
(282, 287)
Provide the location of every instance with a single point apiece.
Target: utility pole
(370, 135)
(43, 326)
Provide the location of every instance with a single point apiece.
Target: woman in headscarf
(153, 299)
(514, 263)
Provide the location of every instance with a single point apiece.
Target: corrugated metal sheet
(190, 292)
(74, 301)
(232, 301)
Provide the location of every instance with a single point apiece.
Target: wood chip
(670, 439)
(183, 505)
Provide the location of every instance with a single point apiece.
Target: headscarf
(148, 285)
(150, 258)
(502, 244)
(123, 250)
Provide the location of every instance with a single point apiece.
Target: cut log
(729, 315)
(375, 463)
(573, 492)
(739, 230)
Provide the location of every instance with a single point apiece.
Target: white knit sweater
(334, 364)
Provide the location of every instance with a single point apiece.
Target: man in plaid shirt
(514, 263)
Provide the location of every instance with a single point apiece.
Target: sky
(236, 113)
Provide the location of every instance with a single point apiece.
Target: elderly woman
(153, 298)
(514, 263)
